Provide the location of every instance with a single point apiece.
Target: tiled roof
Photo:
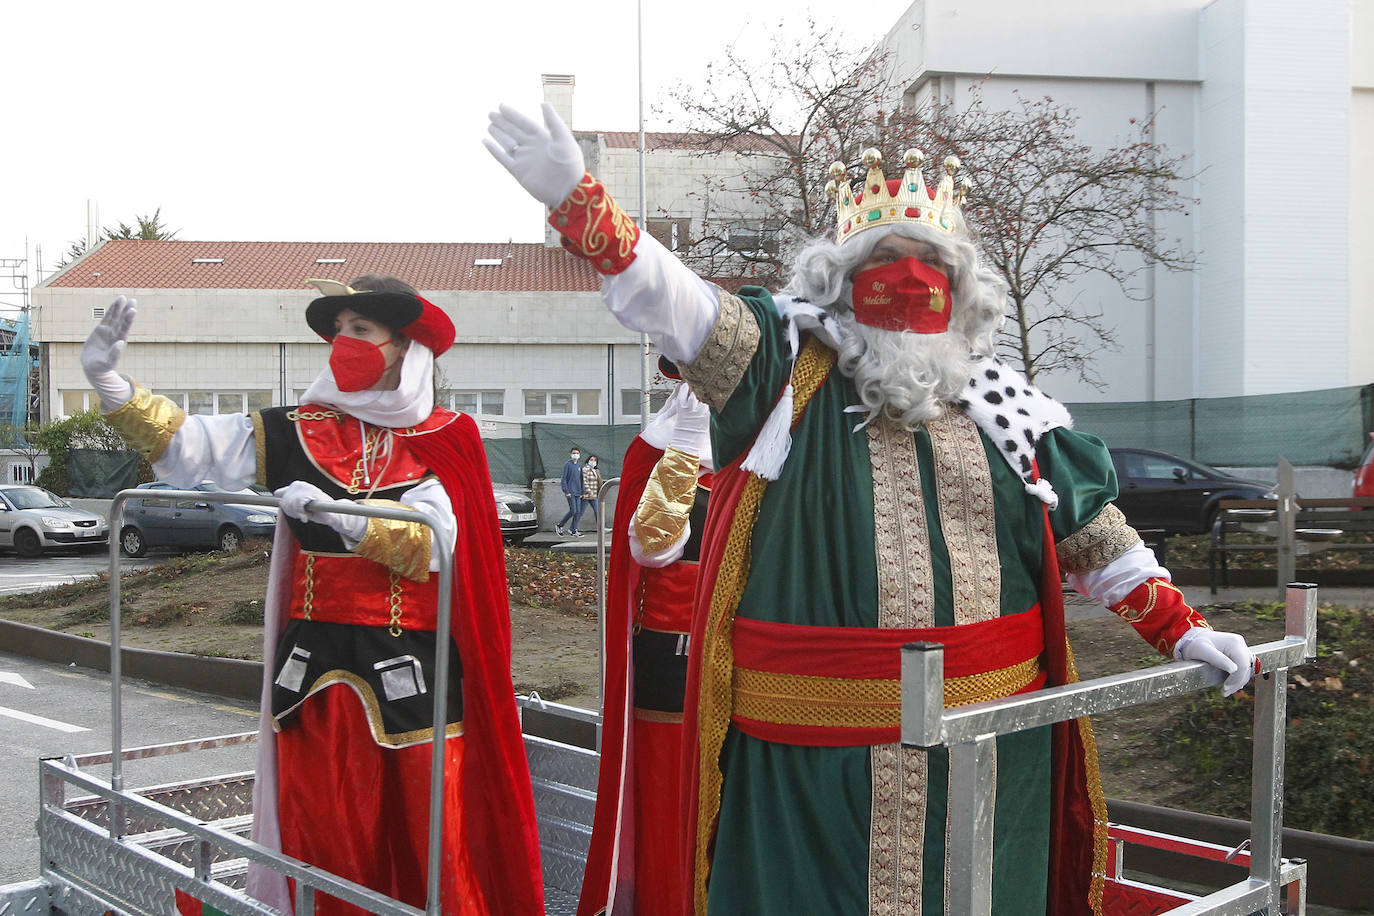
(629, 139)
(428, 266)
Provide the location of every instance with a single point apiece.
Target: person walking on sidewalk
(572, 489)
(591, 488)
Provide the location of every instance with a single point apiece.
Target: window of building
(673, 233)
(476, 403)
(21, 473)
(75, 402)
(543, 402)
(210, 403)
(629, 400)
(754, 236)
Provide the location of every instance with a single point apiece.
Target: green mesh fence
(541, 449)
(99, 474)
(1328, 427)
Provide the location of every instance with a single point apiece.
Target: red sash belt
(349, 589)
(841, 686)
(665, 598)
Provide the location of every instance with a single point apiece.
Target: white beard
(907, 377)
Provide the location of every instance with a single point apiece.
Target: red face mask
(905, 295)
(357, 364)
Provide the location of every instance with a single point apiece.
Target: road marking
(15, 679)
(39, 720)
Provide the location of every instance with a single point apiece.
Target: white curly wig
(906, 376)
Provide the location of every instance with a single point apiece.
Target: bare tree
(1049, 209)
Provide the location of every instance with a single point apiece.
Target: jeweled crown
(882, 204)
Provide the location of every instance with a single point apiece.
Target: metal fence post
(972, 774)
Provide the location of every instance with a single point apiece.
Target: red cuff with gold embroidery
(1159, 613)
(594, 227)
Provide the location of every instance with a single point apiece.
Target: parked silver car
(33, 519)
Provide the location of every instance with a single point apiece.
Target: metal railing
(970, 733)
(309, 879)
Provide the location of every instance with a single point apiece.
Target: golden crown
(876, 205)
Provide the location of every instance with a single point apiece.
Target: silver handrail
(441, 542)
(969, 732)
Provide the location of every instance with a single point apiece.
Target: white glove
(691, 423)
(296, 499)
(544, 158)
(101, 353)
(1224, 651)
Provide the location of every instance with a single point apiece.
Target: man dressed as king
(881, 478)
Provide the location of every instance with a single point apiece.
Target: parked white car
(33, 519)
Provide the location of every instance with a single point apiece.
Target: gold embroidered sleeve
(147, 422)
(1097, 543)
(400, 546)
(259, 445)
(723, 358)
(663, 510)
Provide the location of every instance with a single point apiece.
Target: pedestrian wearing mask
(572, 490)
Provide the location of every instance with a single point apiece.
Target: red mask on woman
(357, 364)
(906, 295)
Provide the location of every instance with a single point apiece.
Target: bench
(1317, 525)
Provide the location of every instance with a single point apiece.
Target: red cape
(612, 807)
(498, 804)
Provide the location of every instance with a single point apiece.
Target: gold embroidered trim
(905, 588)
(717, 654)
(720, 363)
(590, 197)
(664, 509)
(837, 702)
(1096, 798)
(308, 600)
(147, 422)
(403, 547)
(1097, 543)
(657, 715)
(298, 414)
(373, 710)
(259, 446)
(963, 487)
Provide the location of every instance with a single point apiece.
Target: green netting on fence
(98, 474)
(541, 448)
(16, 366)
(1328, 427)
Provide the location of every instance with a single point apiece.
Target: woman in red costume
(633, 865)
(351, 608)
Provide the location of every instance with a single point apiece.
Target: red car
(1364, 474)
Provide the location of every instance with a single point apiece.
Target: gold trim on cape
(714, 702)
(259, 446)
(1097, 543)
(719, 365)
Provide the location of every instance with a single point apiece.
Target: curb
(226, 677)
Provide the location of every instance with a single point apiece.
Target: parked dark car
(33, 519)
(154, 521)
(515, 510)
(1173, 494)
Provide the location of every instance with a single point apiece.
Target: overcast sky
(337, 121)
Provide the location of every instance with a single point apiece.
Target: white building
(1272, 102)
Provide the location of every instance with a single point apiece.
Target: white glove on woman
(544, 158)
(1224, 651)
(296, 499)
(102, 351)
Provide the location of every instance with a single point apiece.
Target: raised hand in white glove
(544, 158)
(1224, 651)
(101, 353)
(297, 499)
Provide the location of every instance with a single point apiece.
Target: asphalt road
(20, 575)
(67, 711)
